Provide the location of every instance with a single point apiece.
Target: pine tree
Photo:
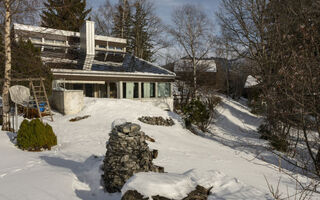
(141, 37)
(122, 20)
(65, 14)
(27, 63)
(136, 22)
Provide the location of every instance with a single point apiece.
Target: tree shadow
(12, 136)
(176, 117)
(87, 172)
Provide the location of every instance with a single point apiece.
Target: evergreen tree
(27, 63)
(141, 41)
(136, 22)
(122, 20)
(64, 14)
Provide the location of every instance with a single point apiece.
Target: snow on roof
(250, 82)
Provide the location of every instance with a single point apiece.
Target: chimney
(87, 44)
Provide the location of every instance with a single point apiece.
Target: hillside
(225, 159)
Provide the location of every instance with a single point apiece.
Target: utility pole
(7, 69)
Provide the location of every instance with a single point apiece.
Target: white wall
(67, 102)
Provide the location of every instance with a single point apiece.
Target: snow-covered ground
(226, 160)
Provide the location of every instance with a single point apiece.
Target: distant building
(213, 73)
(96, 64)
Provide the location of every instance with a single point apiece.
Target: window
(89, 90)
(102, 46)
(49, 41)
(152, 90)
(78, 86)
(111, 47)
(34, 39)
(142, 90)
(124, 89)
(129, 90)
(164, 90)
(60, 42)
(119, 48)
(136, 90)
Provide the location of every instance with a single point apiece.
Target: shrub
(200, 112)
(34, 136)
(277, 141)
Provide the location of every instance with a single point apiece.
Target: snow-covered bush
(34, 135)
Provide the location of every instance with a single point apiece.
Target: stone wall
(159, 121)
(127, 154)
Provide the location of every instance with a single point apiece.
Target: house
(206, 71)
(214, 73)
(98, 65)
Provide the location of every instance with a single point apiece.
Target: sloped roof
(184, 65)
(131, 64)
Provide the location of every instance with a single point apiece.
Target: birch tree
(7, 71)
(12, 10)
(192, 30)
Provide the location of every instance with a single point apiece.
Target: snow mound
(178, 186)
(118, 122)
(170, 185)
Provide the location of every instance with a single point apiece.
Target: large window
(164, 90)
(136, 90)
(148, 90)
(152, 90)
(124, 90)
(130, 90)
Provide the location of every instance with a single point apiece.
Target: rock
(150, 139)
(133, 195)
(154, 154)
(118, 122)
(135, 127)
(160, 121)
(127, 154)
(200, 193)
(159, 198)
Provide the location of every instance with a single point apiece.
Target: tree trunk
(194, 76)
(7, 71)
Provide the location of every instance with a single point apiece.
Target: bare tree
(281, 38)
(104, 18)
(193, 31)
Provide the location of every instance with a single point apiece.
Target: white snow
(170, 185)
(226, 160)
(178, 186)
(251, 81)
(118, 122)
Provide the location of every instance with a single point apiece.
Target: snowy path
(71, 169)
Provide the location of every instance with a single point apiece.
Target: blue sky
(165, 7)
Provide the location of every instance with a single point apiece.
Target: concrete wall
(160, 102)
(67, 102)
